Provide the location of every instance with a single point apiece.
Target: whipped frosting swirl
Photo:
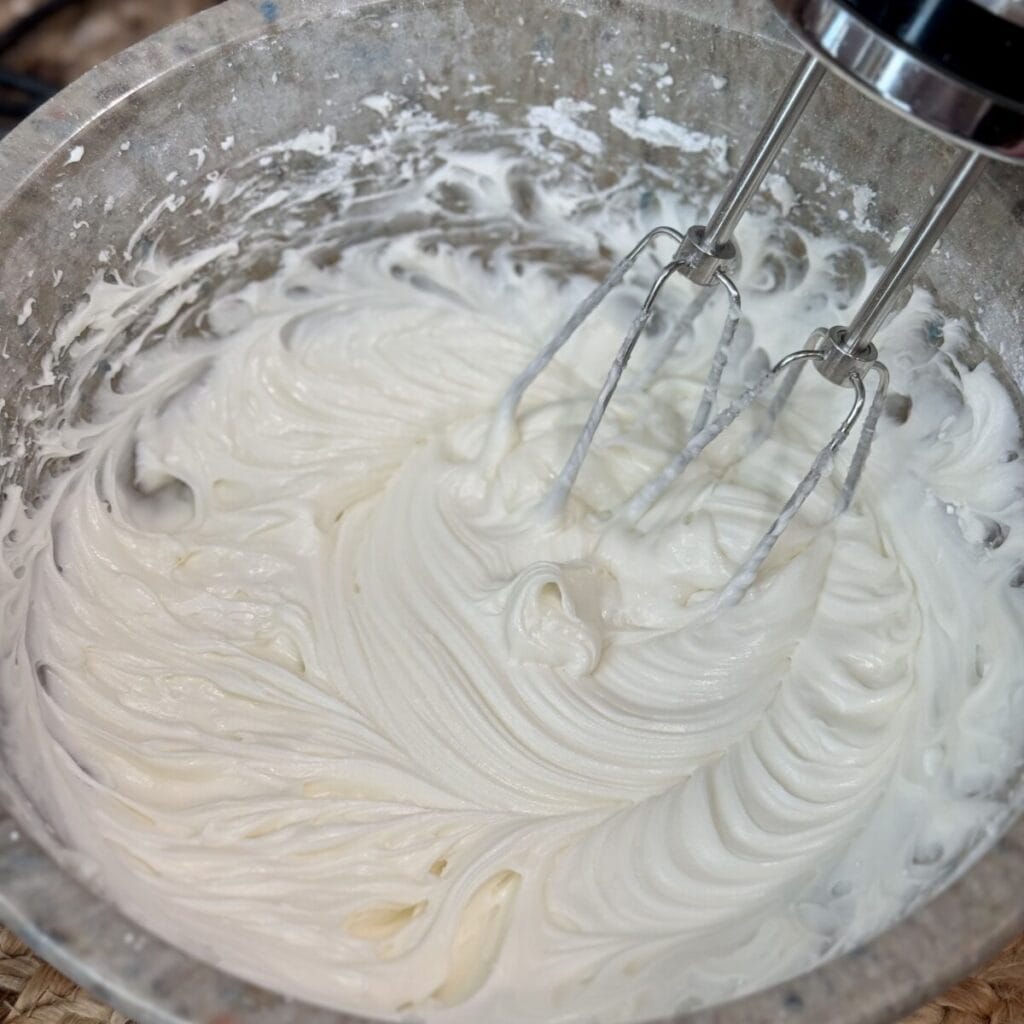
(296, 670)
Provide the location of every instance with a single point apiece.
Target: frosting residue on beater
(312, 691)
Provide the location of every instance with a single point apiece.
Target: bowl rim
(153, 982)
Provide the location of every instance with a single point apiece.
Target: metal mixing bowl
(260, 72)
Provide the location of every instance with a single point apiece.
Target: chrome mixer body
(952, 66)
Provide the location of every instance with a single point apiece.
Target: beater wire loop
(642, 501)
(721, 356)
(559, 493)
(745, 575)
(788, 368)
(672, 340)
(867, 437)
(514, 395)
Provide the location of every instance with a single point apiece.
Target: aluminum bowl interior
(79, 179)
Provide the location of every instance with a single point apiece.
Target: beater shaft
(915, 249)
(745, 184)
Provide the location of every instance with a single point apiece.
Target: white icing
(312, 691)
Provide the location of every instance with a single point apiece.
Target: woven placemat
(32, 992)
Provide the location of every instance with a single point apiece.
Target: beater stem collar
(840, 359)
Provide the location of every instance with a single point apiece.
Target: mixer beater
(911, 55)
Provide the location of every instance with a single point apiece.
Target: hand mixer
(954, 66)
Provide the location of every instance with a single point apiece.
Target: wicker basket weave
(32, 992)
